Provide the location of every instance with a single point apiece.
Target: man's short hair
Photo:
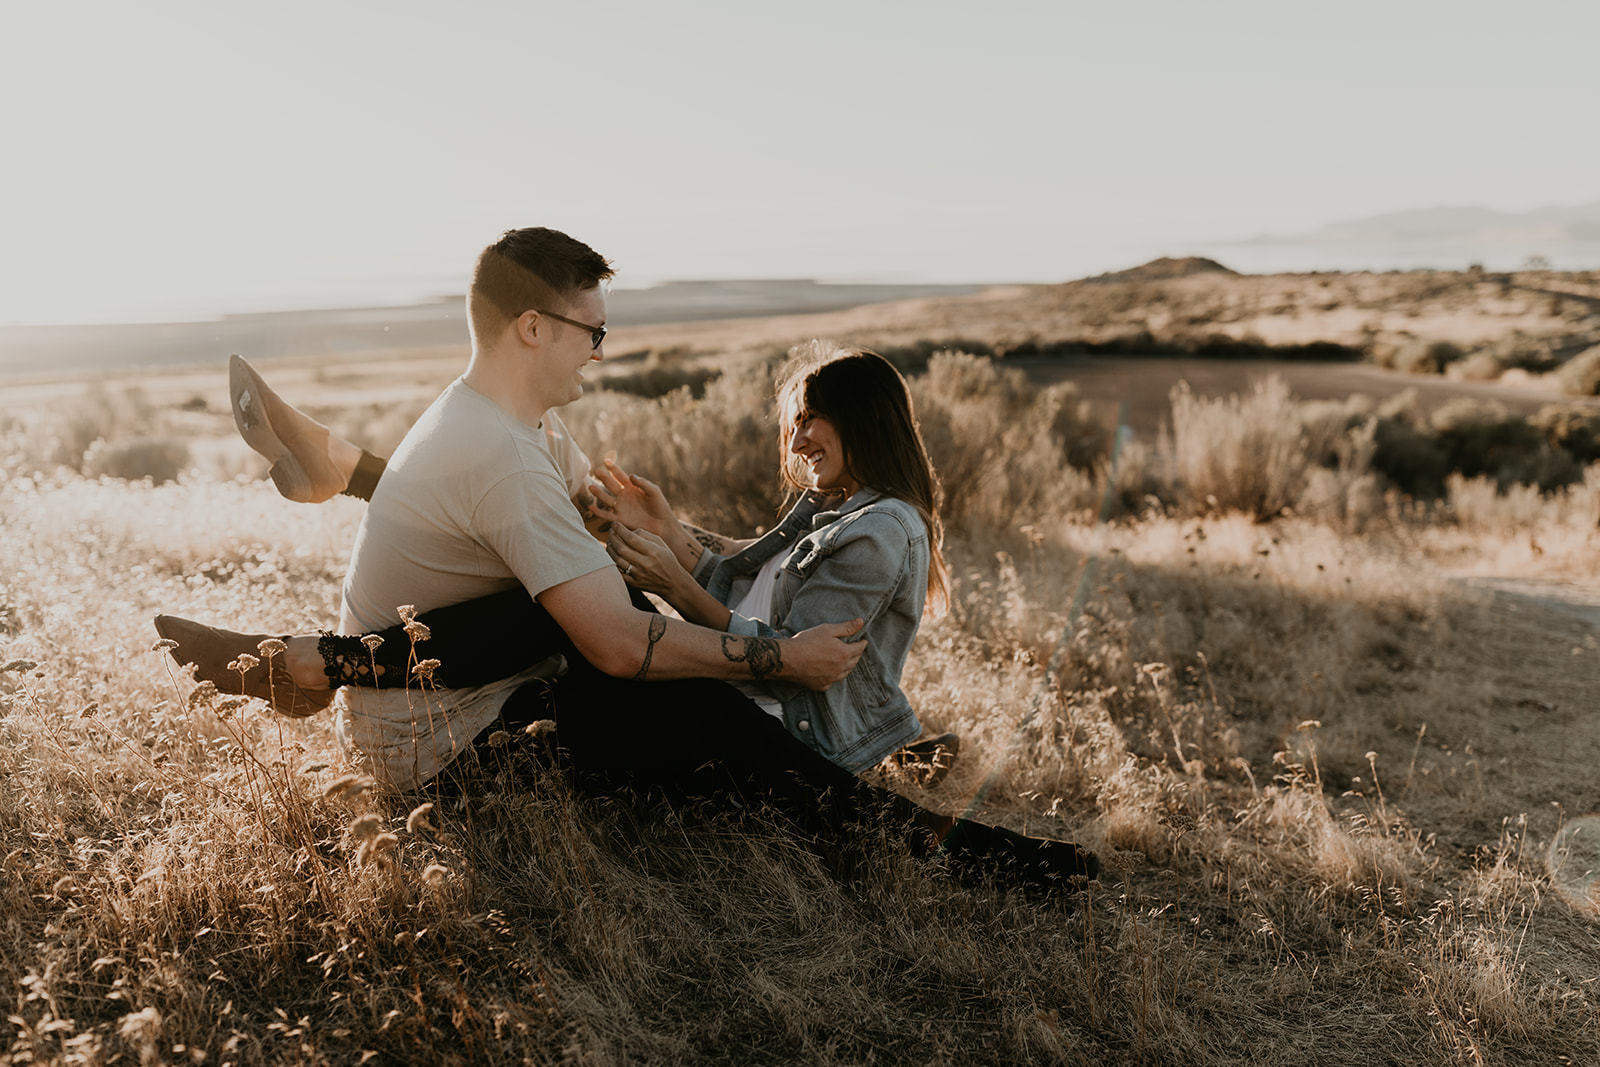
(530, 270)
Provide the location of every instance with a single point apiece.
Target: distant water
(332, 333)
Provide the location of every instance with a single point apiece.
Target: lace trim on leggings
(346, 661)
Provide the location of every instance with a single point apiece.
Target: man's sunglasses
(596, 333)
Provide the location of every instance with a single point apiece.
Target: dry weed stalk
(182, 875)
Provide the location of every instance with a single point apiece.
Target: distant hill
(1580, 222)
(1164, 268)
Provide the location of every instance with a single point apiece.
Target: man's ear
(527, 327)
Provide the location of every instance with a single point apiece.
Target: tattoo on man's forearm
(762, 654)
(658, 627)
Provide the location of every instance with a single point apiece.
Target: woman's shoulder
(886, 516)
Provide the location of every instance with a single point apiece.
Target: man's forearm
(672, 648)
(625, 642)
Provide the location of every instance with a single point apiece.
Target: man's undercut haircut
(533, 269)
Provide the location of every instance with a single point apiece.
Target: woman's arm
(721, 544)
(648, 563)
(860, 575)
(638, 503)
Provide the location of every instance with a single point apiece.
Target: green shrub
(1409, 457)
(1483, 439)
(1575, 431)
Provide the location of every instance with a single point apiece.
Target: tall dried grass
(1319, 773)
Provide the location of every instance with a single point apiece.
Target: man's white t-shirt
(472, 503)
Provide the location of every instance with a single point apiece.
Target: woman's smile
(817, 441)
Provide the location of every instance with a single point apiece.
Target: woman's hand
(646, 562)
(631, 501)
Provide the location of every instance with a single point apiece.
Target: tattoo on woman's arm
(658, 627)
(706, 538)
(760, 653)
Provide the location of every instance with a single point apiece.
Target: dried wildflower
(166, 644)
(371, 641)
(17, 666)
(499, 739)
(204, 693)
(89, 710)
(435, 875)
(418, 819)
(1310, 724)
(244, 664)
(228, 705)
(540, 727)
(366, 827)
(407, 612)
(417, 631)
(140, 1024)
(272, 646)
(376, 848)
(425, 668)
(348, 787)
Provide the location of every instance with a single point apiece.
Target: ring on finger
(628, 569)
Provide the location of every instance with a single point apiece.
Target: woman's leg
(476, 642)
(310, 463)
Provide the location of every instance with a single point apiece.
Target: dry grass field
(1334, 743)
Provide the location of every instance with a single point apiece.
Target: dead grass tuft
(1319, 770)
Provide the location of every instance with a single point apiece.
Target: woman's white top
(757, 604)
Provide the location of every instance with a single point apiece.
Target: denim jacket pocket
(866, 689)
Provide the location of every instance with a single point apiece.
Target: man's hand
(820, 656)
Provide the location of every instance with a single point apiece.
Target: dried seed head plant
(1127, 657)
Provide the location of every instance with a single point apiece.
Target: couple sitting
(781, 678)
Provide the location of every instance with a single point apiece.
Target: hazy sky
(169, 156)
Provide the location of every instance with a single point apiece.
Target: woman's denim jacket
(867, 559)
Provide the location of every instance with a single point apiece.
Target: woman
(863, 541)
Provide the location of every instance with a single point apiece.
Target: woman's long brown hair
(869, 405)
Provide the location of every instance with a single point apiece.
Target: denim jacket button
(804, 724)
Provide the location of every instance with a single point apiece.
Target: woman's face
(817, 441)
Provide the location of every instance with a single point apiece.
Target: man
(473, 502)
